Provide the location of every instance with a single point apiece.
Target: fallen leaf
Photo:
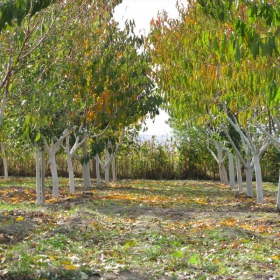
(70, 267)
(19, 219)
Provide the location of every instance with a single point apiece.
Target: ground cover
(137, 229)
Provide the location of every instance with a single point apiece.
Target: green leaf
(194, 260)
(38, 136)
(178, 254)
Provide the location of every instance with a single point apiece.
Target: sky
(142, 11)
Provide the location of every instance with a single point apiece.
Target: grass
(138, 230)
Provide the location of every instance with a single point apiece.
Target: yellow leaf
(275, 257)
(19, 219)
(66, 262)
(70, 267)
(53, 258)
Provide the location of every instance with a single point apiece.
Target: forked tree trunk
(52, 150)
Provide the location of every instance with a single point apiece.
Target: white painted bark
(69, 155)
(86, 168)
(38, 177)
(220, 158)
(52, 149)
(239, 174)
(55, 180)
(5, 164)
(97, 166)
(258, 175)
(43, 194)
(114, 170)
(5, 83)
(249, 181)
(231, 171)
(275, 141)
(70, 173)
(278, 196)
(108, 161)
(251, 150)
(106, 167)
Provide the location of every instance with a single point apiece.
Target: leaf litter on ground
(138, 229)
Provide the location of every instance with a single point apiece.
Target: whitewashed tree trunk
(220, 158)
(70, 173)
(43, 196)
(258, 174)
(223, 174)
(114, 170)
(4, 101)
(55, 180)
(249, 180)
(231, 171)
(5, 164)
(52, 149)
(86, 174)
(106, 167)
(70, 153)
(278, 196)
(97, 166)
(253, 148)
(239, 174)
(38, 177)
(69, 165)
(86, 168)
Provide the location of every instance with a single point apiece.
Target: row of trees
(72, 79)
(156, 158)
(218, 66)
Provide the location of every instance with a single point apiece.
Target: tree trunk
(106, 167)
(86, 168)
(71, 173)
(38, 177)
(258, 174)
(70, 166)
(231, 170)
(54, 174)
(114, 171)
(278, 196)
(223, 174)
(98, 179)
(5, 165)
(43, 196)
(249, 178)
(239, 174)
